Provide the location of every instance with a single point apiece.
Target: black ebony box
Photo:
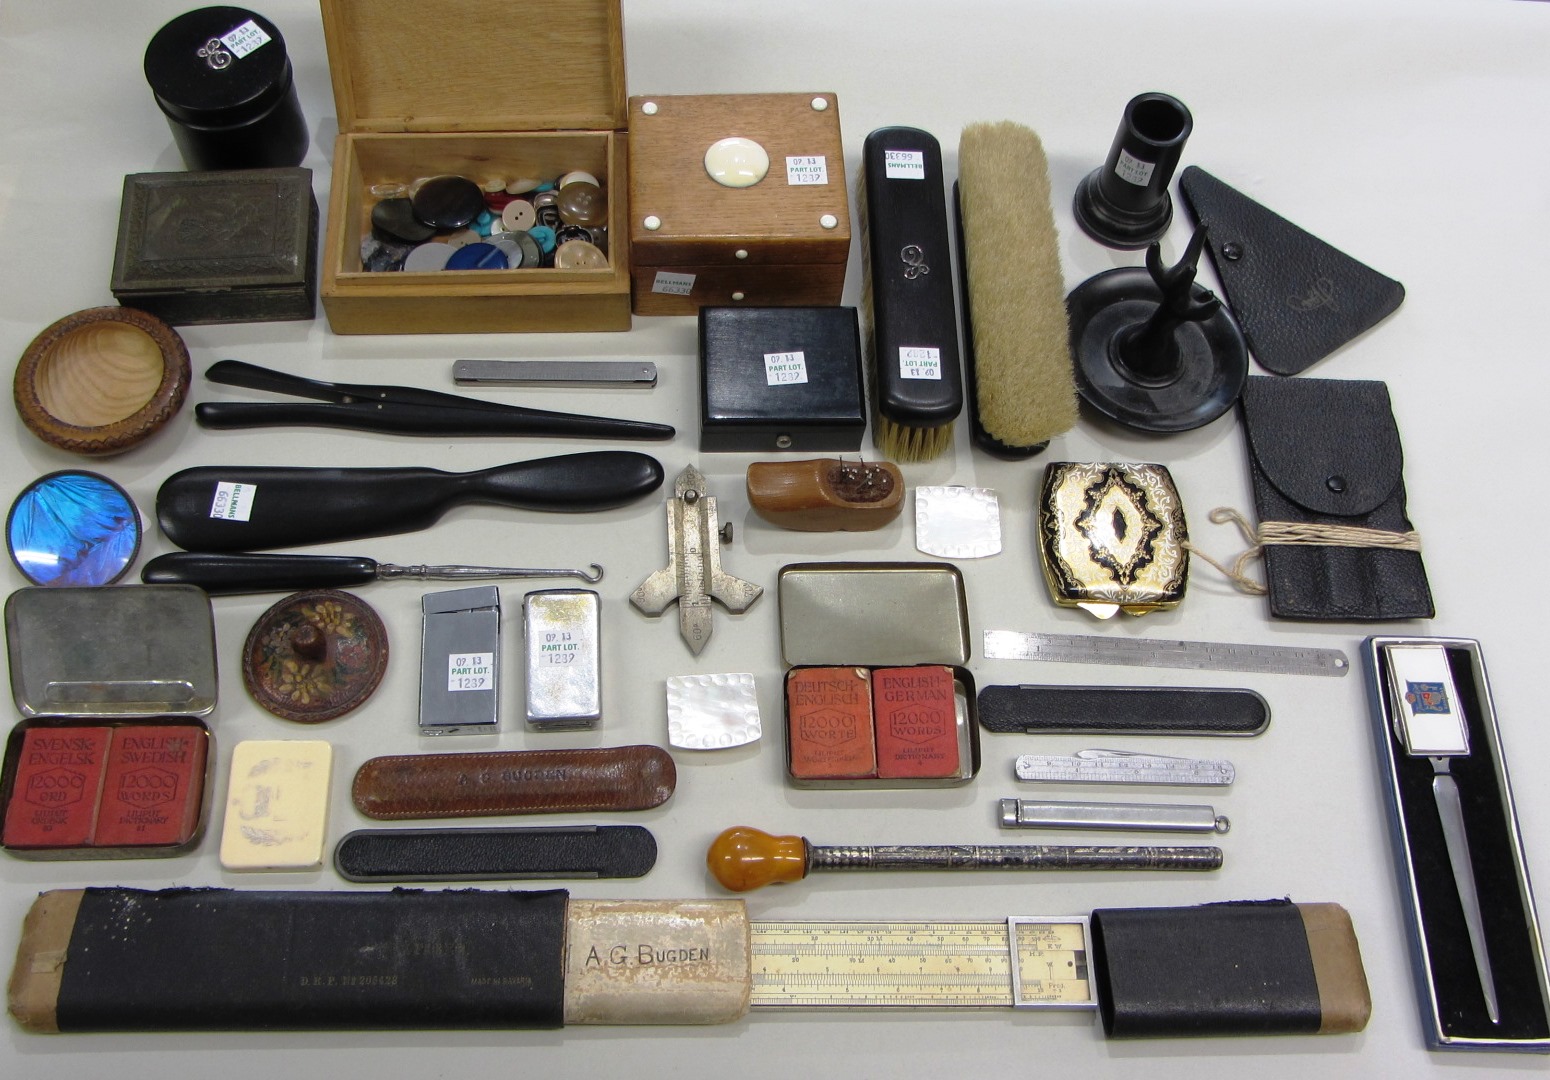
(218, 247)
(782, 378)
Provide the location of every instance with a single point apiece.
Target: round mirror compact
(73, 528)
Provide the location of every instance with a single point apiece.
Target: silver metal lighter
(460, 661)
(564, 659)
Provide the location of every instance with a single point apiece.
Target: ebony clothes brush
(917, 380)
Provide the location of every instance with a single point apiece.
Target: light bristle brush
(912, 325)
(1022, 390)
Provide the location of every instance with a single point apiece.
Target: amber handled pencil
(743, 859)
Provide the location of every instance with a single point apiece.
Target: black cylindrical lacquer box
(223, 78)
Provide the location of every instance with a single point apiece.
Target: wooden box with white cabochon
(416, 97)
(772, 228)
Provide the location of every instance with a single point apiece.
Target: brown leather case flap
(514, 782)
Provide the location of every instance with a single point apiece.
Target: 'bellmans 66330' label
(233, 502)
(904, 165)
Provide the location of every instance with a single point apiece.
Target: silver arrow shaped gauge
(693, 574)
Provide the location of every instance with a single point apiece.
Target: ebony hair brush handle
(286, 507)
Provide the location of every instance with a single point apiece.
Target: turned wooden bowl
(102, 380)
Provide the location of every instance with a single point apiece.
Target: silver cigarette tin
(124, 650)
(870, 614)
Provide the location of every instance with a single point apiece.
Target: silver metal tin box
(125, 650)
(881, 614)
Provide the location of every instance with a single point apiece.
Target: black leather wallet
(1327, 452)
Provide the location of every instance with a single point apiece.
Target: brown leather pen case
(514, 782)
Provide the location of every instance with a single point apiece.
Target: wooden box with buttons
(419, 100)
(736, 199)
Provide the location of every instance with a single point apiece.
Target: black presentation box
(781, 378)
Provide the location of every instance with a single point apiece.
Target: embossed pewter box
(218, 247)
(1112, 536)
(777, 237)
(424, 90)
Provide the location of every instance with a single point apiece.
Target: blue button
(478, 257)
(545, 237)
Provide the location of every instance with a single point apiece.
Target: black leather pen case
(1327, 452)
(499, 854)
(1122, 710)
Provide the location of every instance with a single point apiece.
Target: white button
(649, 108)
(653, 223)
(829, 221)
(820, 103)
(737, 296)
(518, 216)
(742, 253)
(572, 177)
(522, 185)
(736, 162)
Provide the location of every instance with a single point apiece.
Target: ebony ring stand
(1154, 351)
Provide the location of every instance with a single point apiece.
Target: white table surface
(1410, 135)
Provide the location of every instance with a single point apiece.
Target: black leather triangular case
(1297, 298)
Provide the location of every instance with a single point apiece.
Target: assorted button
(448, 202)
(579, 255)
(489, 223)
(478, 257)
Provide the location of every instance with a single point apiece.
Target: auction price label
(803, 171)
(470, 671)
(920, 362)
(785, 368)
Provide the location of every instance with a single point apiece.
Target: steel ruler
(1124, 767)
(1021, 962)
(1158, 652)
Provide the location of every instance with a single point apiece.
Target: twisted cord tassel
(1296, 532)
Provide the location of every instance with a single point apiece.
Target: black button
(448, 202)
(396, 218)
(1335, 484)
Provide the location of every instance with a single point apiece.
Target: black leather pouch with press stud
(1327, 451)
